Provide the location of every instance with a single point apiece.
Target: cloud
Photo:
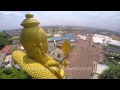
(100, 19)
(10, 19)
(11, 13)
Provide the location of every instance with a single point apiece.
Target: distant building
(51, 48)
(61, 32)
(3, 53)
(5, 49)
(83, 37)
(13, 32)
(113, 46)
(66, 37)
(22, 48)
(57, 35)
(69, 35)
(98, 39)
(72, 40)
(59, 56)
(2, 57)
(49, 35)
(15, 42)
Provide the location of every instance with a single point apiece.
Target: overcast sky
(101, 19)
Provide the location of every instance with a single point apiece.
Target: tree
(7, 71)
(1, 44)
(113, 72)
(4, 40)
(12, 73)
(104, 45)
(116, 55)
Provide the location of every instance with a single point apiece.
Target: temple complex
(57, 52)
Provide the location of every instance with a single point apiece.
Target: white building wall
(57, 35)
(99, 38)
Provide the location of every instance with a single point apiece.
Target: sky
(99, 19)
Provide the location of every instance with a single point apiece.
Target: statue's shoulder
(18, 55)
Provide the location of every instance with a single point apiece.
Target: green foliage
(4, 40)
(112, 73)
(108, 60)
(116, 55)
(7, 71)
(15, 38)
(4, 35)
(12, 73)
(104, 46)
(1, 44)
(14, 48)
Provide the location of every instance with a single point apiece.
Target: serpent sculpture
(34, 61)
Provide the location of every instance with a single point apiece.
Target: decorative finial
(29, 15)
(30, 21)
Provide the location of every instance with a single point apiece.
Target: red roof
(9, 52)
(6, 49)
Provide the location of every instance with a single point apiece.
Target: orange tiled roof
(6, 49)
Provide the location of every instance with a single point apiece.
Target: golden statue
(35, 62)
